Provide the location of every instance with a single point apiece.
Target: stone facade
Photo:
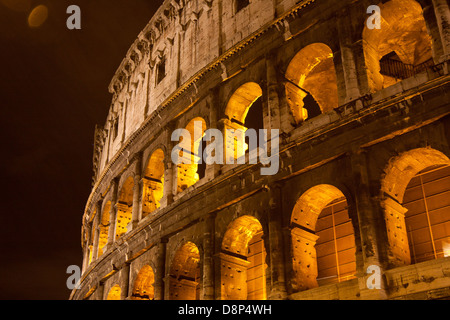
(156, 230)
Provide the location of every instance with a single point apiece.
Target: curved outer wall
(187, 63)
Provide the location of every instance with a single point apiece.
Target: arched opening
(189, 172)
(417, 206)
(244, 111)
(143, 285)
(185, 274)
(323, 240)
(124, 207)
(311, 82)
(243, 268)
(114, 293)
(401, 48)
(153, 183)
(104, 228)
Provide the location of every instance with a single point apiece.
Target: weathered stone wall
(351, 148)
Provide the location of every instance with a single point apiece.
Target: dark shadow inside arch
(201, 166)
(311, 106)
(254, 120)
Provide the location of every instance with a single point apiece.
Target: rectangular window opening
(161, 71)
(241, 4)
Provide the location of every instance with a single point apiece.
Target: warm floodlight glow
(38, 16)
(446, 249)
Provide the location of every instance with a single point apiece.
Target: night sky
(53, 91)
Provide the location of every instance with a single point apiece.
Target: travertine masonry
(361, 113)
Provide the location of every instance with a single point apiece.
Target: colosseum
(358, 102)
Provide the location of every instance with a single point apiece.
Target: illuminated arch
(311, 87)
(124, 207)
(243, 261)
(416, 202)
(104, 228)
(114, 293)
(244, 100)
(153, 183)
(188, 172)
(241, 101)
(185, 274)
(400, 48)
(323, 241)
(143, 285)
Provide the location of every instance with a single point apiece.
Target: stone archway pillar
(277, 250)
(112, 216)
(371, 228)
(86, 247)
(396, 231)
(97, 222)
(233, 275)
(304, 259)
(442, 13)
(160, 270)
(137, 193)
(350, 74)
(127, 292)
(208, 259)
(273, 100)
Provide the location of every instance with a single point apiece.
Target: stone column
(137, 192)
(273, 101)
(169, 183)
(347, 57)
(433, 30)
(213, 170)
(126, 281)
(276, 91)
(371, 227)
(112, 215)
(86, 253)
(442, 13)
(394, 217)
(276, 247)
(100, 292)
(160, 270)
(208, 258)
(361, 68)
(169, 171)
(97, 222)
(288, 260)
